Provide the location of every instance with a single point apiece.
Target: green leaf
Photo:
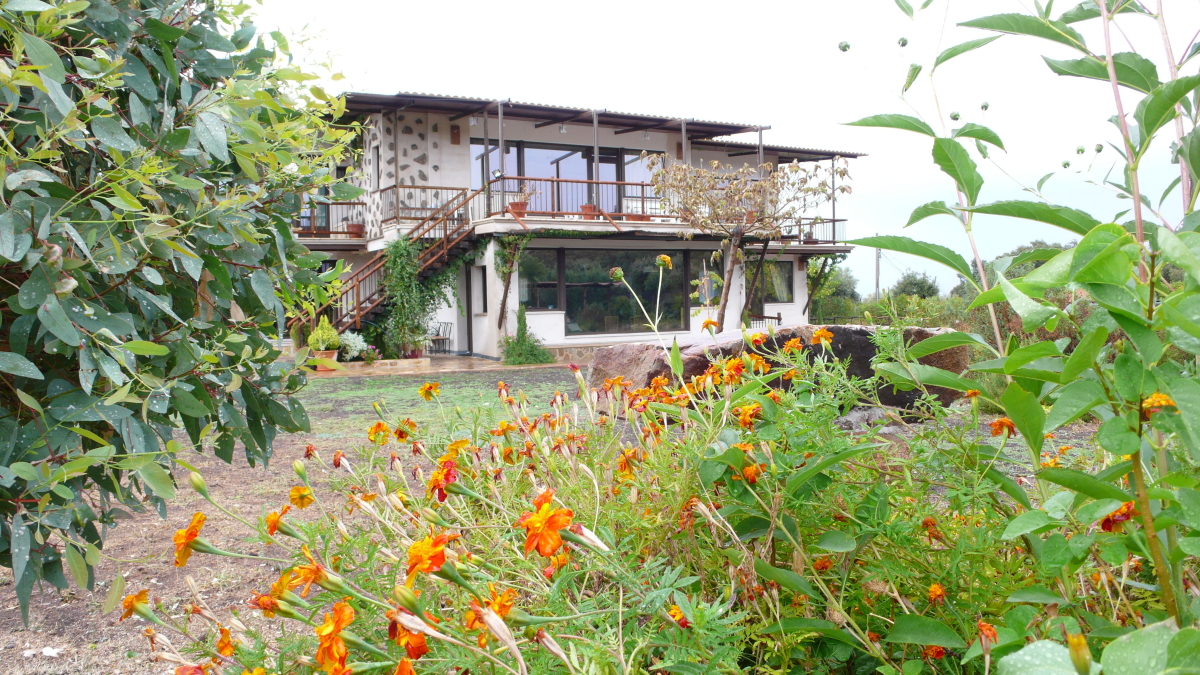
(892, 121)
(1023, 24)
(344, 192)
(676, 359)
(953, 159)
(76, 564)
(20, 548)
(15, 364)
(914, 629)
(1189, 507)
(143, 348)
(1037, 595)
(972, 130)
(1083, 483)
(959, 50)
(1025, 523)
(1085, 354)
(1029, 354)
(922, 249)
(1116, 437)
(913, 71)
(1186, 394)
(115, 594)
(1140, 652)
(45, 56)
(1177, 252)
(905, 7)
(1074, 401)
(1089, 10)
(1009, 487)
(1158, 107)
(1033, 314)
(1069, 219)
(786, 579)
(944, 341)
(931, 209)
(1093, 511)
(157, 479)
(210, 130)
(52, 315)
(803, 477)
(1026, 413)
(838, 542)
(1133, 70)
(818, 626)
(163, 31)
(108, 130)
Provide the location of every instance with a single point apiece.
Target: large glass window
(775, 285)
(597, 304)
(537, 279)
(705, 278)
(478, 167)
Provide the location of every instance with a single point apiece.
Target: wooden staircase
(446, 232)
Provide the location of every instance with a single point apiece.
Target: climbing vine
(412, 299)
(508, 251)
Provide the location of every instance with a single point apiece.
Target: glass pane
(777, 281)
(705, 278)
(477, 165)
(537, 274)
(597, 304)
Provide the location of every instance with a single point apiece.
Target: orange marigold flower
(266, 603)
(413, 642)
(822, 564)
(338, 457)
(312, 573)
(401, 434)
(198, 669)
(444, 475)
(680, 619)
(310, 451)
(557, 562)
(933, 652)
(822, 336)
(1156, 401)
(987, 633)
(454, 448)
(1112, 522)
(734, 369)
(427, 555)
(664, 261)
(873, 636)
(378, 433)
(225, 642)
(751, 472)
(274, 517)
(758, 339)
(709, 324)
(1003, 426)
(184, 538)
(429, 390)
(760, 364)
(972, 393)
(542, 525)
(500, 604)
(404, 668)
(746, 415)
(937, 593)
(301, 496)
(793, 345)
(130, 603)
(331, 649)
(790, 374)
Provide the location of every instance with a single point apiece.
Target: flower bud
(432, 516)
(198, 484)
(1081, 654)
(406, 598)
(616, 274)
(301, 471)
(341, 528)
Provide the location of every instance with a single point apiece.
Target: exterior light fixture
(496, 173)
(645, 135)
(562, 128)
(474, 121)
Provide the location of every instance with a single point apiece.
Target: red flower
(1004, 426)
(933, 652)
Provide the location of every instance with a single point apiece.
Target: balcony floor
(332, 244)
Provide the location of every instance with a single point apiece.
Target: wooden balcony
(332, 226)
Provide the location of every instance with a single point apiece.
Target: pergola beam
(472, 112)
(563, 120)
(647, 127)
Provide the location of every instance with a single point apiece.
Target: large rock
(641, 362)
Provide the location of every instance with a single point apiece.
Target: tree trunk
(503, 318)
(762, 261)
(729, 267)
(817, 283)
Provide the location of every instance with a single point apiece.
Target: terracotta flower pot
(637, 217)
(518, 208)
(589, 208)
(330, 354)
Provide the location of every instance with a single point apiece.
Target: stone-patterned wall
(580, 356)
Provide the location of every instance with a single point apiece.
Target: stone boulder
(642, 362)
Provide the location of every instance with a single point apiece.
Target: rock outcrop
(641, 362)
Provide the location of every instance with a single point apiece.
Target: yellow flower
(378, 433)
(427, 555)
(664, 261)
(822, 337)
(677, 615)
(937, 593)
(429, 390)
(793, 345)
(1157, 400)
(301, 496)
(130, 603)
(331, 649)
(709, 324)
(185, 537)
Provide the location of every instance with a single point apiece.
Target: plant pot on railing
(637, 217)
(518, 209)
(589, 208)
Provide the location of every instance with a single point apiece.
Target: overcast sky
(778, 64)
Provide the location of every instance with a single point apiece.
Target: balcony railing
(416, 202)
(333, 220)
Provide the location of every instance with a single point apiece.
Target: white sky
(777, 63)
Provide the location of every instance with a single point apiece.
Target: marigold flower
(331, 649)
(709, 324)
(130, 603)
(500, 604)
(1156, 402)
(758, 339)
(273, 519)
(664, 261)
(822, 564)
(454, 448)
(680, 619)
(1003, 426)
(873, 636)
(378, 433)
(404, 668)
(747, 414)
(734, 369)
(414, 642)
(933, 652)
(184, 538)
(267, 604)
(793, 345)
(557, 562)
(822, 336)
(444, 475)
(225, 642)
(751, 472)
(301, 496)
(310, 451)
(760, 364)
(1112, 522)
(429, 390)
(543, 524)
(972, 393)
(789, 375)
(987, 633)
(937, 593)
(194, 669)
(338, 458)
(312, 573)
(427, 555)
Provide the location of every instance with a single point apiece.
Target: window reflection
(597, 304)
(537, 279)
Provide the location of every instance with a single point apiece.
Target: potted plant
(520, 203)
(324, 342)
(412, 342)
(589, 208)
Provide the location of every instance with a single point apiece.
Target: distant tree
(919, 284)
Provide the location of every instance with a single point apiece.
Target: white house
(576, 181)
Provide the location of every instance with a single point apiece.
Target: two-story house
(575, 180)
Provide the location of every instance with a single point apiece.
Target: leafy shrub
(917, 284)
(524, 348)
(353, 345)
(324, 337)
(145, 229)
(412, 299)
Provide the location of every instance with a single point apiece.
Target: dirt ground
(340, 412)
(70, 623)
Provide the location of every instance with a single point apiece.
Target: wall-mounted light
(496, 173)
(562, 128)
(645, 135)
(474, 121)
